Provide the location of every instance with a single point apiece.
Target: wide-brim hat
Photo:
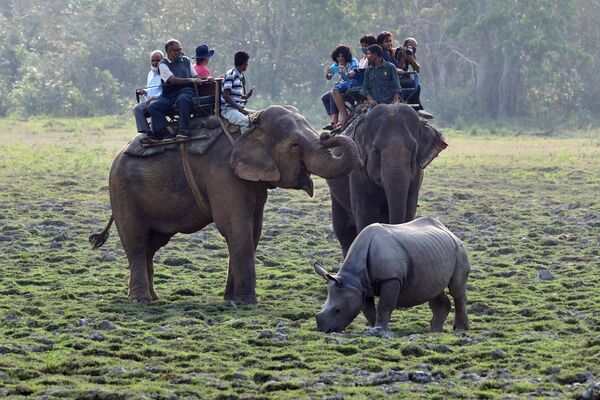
(202, 51)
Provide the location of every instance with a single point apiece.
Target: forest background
(532, 61)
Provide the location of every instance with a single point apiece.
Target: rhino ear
(251, 161)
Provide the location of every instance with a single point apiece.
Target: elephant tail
(98, 239)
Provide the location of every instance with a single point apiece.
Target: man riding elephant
(151, 200)
(394, 148)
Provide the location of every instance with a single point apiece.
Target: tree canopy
(479, 57)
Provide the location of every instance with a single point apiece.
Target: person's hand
(196, 79)
(150, 100)
(328, 70)
(342, 69)
(250, 93)
(210, 79)
(372, 103)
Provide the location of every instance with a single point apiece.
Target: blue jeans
(329, 104)
(182, 99)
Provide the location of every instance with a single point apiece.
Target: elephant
(151, 199)
(394, 148)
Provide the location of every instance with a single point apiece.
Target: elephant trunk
(396, 179)
(324, 163)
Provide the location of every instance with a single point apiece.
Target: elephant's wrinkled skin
(405, 265)
(394, 147)
(151, 199)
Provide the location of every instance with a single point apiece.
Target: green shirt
(381, 82)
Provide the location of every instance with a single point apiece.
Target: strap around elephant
(189, 175)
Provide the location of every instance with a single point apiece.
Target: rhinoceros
(404, 265)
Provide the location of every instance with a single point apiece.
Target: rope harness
(187, 166)
(189, 175)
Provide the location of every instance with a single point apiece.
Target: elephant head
(283, 150)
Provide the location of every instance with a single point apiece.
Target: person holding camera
(406, 57)
(151, 92)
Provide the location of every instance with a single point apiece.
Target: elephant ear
(361, 143)
(251, 161)
(431, 144)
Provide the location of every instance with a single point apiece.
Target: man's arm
(229, 100)
(366, 89)
(412, 60)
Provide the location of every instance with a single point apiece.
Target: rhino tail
(98, 239)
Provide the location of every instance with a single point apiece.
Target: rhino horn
(320, 270)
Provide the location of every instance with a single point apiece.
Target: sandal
(328, 127)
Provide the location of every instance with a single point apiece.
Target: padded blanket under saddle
(207, 130)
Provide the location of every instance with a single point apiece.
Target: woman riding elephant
(151, 200)
(394, 148)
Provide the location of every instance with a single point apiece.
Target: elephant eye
(294, 148)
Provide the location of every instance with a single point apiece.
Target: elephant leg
(413, 196)
(440, 307)
(343, 228)
(368, 310)
(241, 276)
(239, 232)
(458, 291)
(134, 239)
(388, 300)
(155, 242)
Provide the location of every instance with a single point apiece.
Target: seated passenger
(385, 41)
(381, 84)
(406, 55)
(365, 42)
(233, 93)
(202, 58)
(346, 67)
(178, 77)
(151, 92)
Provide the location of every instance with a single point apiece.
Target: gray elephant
(151, 200)
(404, 265)
(394, 147)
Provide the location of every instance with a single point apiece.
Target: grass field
(520, 203)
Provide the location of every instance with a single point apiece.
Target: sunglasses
(155, 60)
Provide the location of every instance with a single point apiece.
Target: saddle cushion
(206, 130)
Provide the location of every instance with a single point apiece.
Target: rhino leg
(388, 299)
(458, 290)
(440, 307)
(368, 310)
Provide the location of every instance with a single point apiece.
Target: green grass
(520, 202)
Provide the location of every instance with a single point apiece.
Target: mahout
(151, 199)
(394, 145)
(404, 265)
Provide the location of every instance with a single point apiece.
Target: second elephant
(394, 148)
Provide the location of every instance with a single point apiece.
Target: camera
(409, 50)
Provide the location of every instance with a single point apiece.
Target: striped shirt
(234, 81)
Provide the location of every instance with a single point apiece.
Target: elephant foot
(241, 298)
(461, 326)
(141, 298)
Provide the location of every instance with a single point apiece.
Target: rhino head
(344, 298)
